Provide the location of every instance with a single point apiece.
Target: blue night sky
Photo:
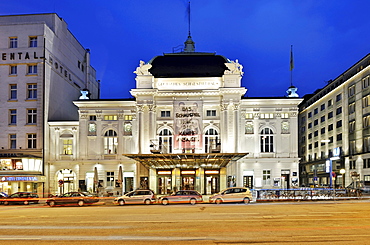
(328, 37)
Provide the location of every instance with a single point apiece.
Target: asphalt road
(339, 222)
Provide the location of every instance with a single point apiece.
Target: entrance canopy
(186, 160)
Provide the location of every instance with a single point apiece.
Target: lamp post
(342, 172)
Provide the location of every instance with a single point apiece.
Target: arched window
(211, 139)
(165, 141)
(267, 140)
(110, 142)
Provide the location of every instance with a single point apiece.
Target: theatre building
(187, 127)
(43, 68)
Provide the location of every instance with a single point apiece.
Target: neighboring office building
(337, 117)
(43, 67)
(189, 127)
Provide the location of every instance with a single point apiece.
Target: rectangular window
(266, 177)
(128, 117)
(339, 137)
(316, 122)
(309, 115)
(339, 124)
(110, 178)
(365, 82)
(322, 119)
(366, 121)
(67, 146)
(323, 107)
(339, 111)
(351, 91)
(110, 118)
(32, 69)
(322, 131)
(330, 115)
(33, 42)
(330, 127)
(31, 116)
(309, 125)
(352, 164)
(338, 97)
(31, 141)
(12, 116)
(211, 113)
(92, 118)
(330, 102)
(351, 108)
(316, 133)
(13, 42)
(352, 125)
(366, 145)
(13, 92)
(165, 113)
(310, 136)
(266, 115)
(12, 141)
(315, 111)
(352, 147)
(32, 91)
(249, 115)
(13, 70)
(284, 115)
(365, 101)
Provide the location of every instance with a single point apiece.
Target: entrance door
(164, 184)
(248, 181)
(285, 181)
(212, 184)
(188, 182)
(129, 184)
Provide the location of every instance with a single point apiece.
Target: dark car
(183, 196)
(21, 198)
(72, 198)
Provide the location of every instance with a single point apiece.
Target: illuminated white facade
(42, 69)
(190, 110)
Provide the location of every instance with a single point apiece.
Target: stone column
(236, 127)
(224, 127)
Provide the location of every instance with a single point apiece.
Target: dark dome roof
(188, 65)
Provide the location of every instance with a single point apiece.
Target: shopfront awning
(186, 160)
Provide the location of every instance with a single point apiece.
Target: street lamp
(342, 172)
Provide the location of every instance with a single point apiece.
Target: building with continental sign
(43, 67)
(188, 126)
(336, 118)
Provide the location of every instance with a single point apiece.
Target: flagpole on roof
(291, 65)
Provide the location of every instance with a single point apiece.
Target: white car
(232, 194)
(136, 197)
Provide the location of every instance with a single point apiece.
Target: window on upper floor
(352, 125)
(211, 140)
(267, 140)
(12, 117)
(249, 128)
(309, 115)
(339, 111)
(339, 124)
(266, 115)
(165, 113)
(365, 101)
(92, 128)
(284, 115)
(339, 137)
(366, 121)
(165, 139)
(366, 82)
(127, 128)
(315, 111)
(366, 146)
(322, 107)
(249, 115)
(330, 127)
(110, 118)
(211, 113)
(110, 142)
(351, 108)
(322, 131)
(351, 91)
(31, 141)
(31, 91)
(322, 119)
(338, 97)
(67, 146)
(33, 42)
(32, 69)
(285, 128)
(330, 115)
(330, 102)
(12, 91)
(13, 42)
(316, 122)
(12, 141)
(128, 117)
(31, 116)
(13, 70)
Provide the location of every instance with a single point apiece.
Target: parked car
(182, 196)
(232, 194)
(21, 198)
(72, 198)
(136, 197)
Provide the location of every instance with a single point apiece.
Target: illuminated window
(110, 142)
(284, 115)
(267, 140)
(110, 118)
(211, 140)
(128, 117)
(67, 146)
(165, 141)
(249, 115)
(266, 115)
